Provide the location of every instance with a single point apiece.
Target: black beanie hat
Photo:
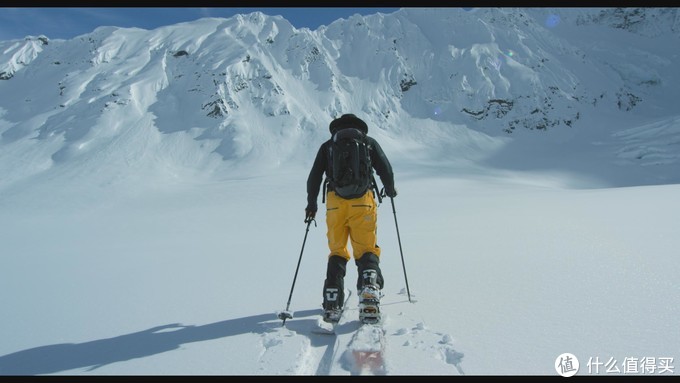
(348, 121)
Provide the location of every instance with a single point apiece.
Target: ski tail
(367, 348)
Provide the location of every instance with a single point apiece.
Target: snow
(138, 240)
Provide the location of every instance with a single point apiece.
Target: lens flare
(552, 21)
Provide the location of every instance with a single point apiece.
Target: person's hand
(390, 191)
(310, 213)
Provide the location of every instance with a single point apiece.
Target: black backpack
(351, 173)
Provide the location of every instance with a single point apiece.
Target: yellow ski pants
(353, 219)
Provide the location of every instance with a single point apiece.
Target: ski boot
(332, 315)
(333, 289)
(332, 305)
(369, 298)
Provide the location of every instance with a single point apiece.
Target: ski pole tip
(283, 315)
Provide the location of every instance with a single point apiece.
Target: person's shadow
(55, 358)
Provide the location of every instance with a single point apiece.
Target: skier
(353, 218)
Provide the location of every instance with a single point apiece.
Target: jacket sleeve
(315, 177)
(382, 165)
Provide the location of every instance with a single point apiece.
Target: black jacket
(378, 161)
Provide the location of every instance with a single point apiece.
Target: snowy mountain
(227, 91)
(152, 187)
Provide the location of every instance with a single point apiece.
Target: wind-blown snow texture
(152, 193)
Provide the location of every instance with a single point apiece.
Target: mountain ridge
(233, 90)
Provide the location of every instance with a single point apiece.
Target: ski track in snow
(318, 354)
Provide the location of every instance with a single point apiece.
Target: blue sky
(66, 23)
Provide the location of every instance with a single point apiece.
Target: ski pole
(286, 314)
(400, 250)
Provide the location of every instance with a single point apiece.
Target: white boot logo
(331, 294)
(370, 276)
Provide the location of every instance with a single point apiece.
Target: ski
(368, 342)
(368, 348)
(326, 328)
